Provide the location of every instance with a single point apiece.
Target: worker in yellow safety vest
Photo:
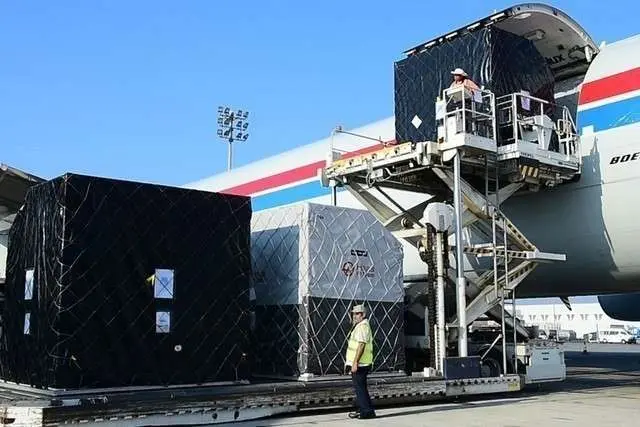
(359, 361)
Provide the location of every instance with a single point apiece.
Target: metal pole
(461, 281)
(514, 112)
(495, 256)
(486, 183)
(495, 253)
(542, 132)
(440, 350)
(428, 316)
(334, 189)
(230, 151)
(464, 116)
(504, 336)
(506, 280)
(515, 337)
(555, 325)
(495, 234)
(494, 127)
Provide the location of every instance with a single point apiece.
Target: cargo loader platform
(486, 151)
(217, 404)
(495, 136)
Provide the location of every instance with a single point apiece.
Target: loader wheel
(491, 365)
(490, 368)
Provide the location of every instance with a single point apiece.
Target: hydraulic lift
(486, 151)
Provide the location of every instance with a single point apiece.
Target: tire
(492, 364)
(490, 367)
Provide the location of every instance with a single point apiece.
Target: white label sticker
(163, 284)
(163, 322)
(27, 323)
(28, 285)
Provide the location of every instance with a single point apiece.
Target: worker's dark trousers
(363, 400)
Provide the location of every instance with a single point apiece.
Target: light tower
(232, 126)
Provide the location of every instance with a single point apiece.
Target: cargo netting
(114, 283)
(312, 263)
(498, 60)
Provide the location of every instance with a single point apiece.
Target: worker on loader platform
(460, 77)
(359, 360)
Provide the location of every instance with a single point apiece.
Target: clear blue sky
(129, 89)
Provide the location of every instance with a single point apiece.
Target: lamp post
(232, 127)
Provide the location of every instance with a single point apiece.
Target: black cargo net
(114, 283)
(312, 264)
(498, 60)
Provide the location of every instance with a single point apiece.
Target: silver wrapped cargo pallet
(311, 264)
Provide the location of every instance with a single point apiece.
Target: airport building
(585, 317)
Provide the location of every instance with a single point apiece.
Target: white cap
(459, 72)
(358, 309)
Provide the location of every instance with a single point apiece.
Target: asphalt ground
(602, 389)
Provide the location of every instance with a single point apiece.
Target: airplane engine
(625, 307)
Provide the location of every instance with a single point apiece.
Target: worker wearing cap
(360, 359)
(460, 77)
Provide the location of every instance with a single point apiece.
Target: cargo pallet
(216, 404)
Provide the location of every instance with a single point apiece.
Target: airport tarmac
(602, 389)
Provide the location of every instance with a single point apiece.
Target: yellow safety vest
(367, 354)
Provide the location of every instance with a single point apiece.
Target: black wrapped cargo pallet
(114, 283)
(496, 59)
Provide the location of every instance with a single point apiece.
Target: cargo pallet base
(215, 404)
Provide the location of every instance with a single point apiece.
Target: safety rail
(466, 116)
(523, 117)
(568, 134)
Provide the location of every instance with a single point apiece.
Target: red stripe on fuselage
(290, 176)
(616, 84)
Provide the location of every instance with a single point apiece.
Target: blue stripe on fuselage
(289, 195)
(611, 115)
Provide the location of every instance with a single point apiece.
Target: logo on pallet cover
(350, 269)
(359, 252)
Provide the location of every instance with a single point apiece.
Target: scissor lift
(487, 149)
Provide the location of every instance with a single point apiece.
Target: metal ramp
(476, 166)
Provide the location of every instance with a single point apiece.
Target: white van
(619, 336)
